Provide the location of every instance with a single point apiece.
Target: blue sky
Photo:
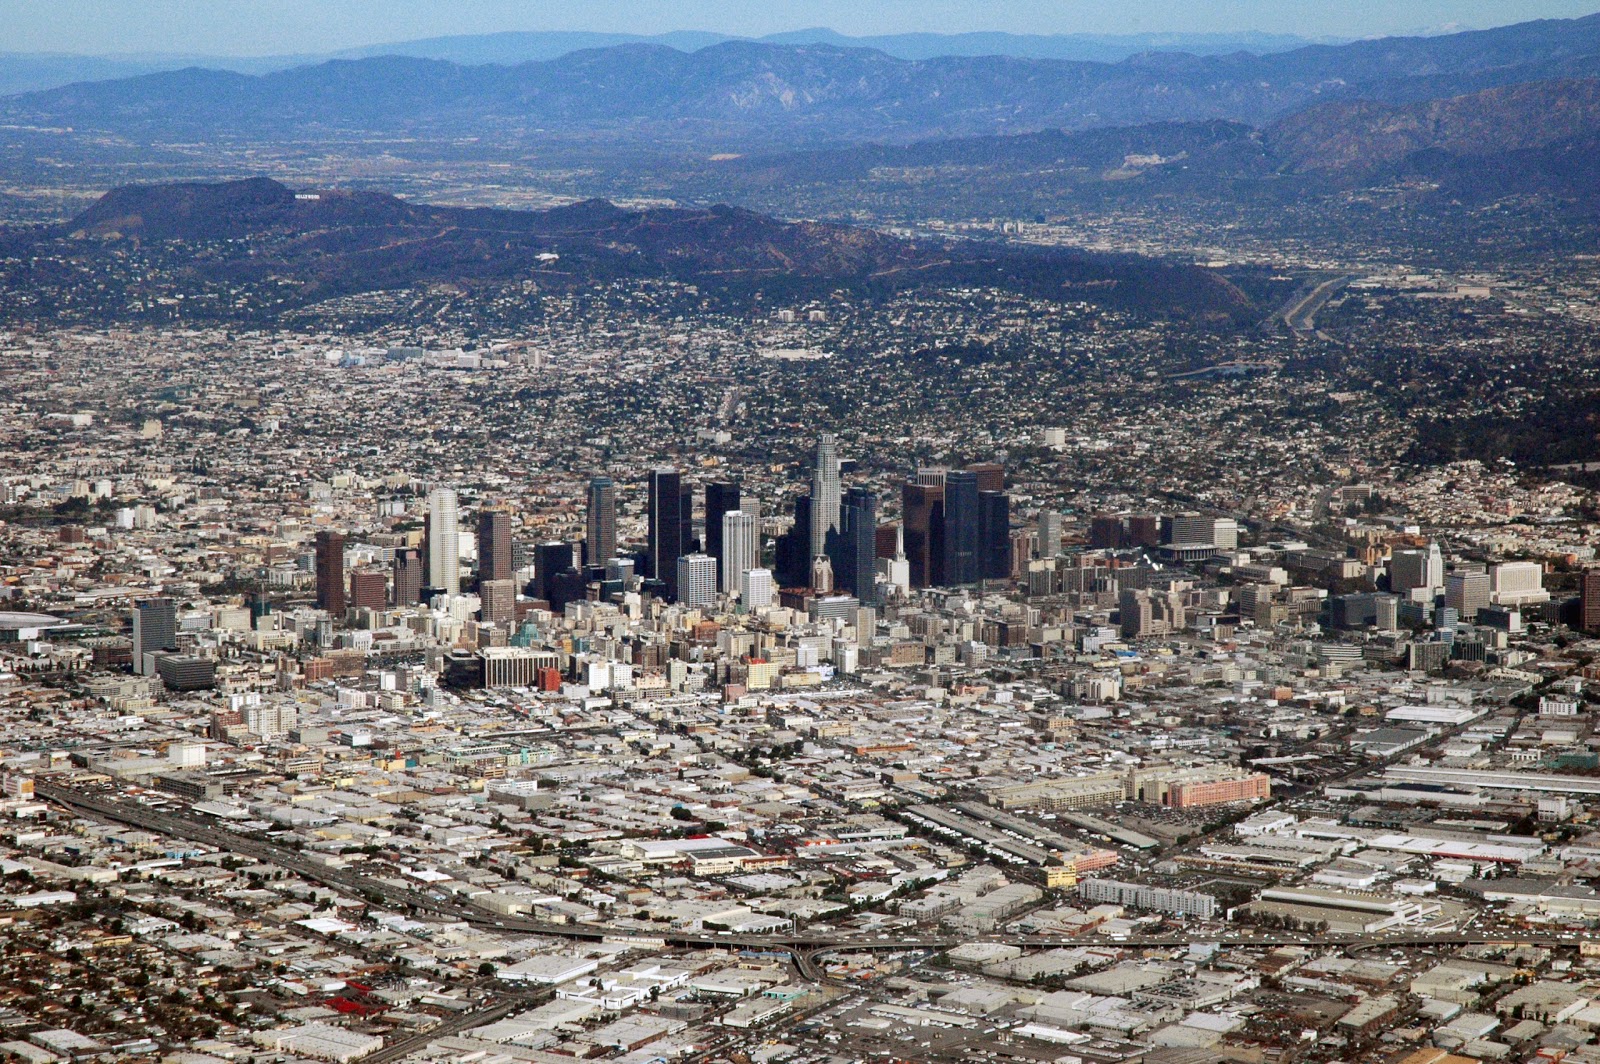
(262, 27)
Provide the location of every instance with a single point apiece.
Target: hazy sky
(257, 27)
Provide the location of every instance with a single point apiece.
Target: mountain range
(1351, 138)
(254, 242)
(31, 72)
(1535, 141)
(741, 95)
(512, 47)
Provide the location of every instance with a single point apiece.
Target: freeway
(805, 948)
(488, 1013)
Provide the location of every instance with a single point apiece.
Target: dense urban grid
(1137, 603)
(643, 687)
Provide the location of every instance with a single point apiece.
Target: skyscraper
(739, 536)
(755, 588)
(856, 545)
(895, 569)
(1467, 592)
(330, 572)
(444, 541)
(792, 558)
(369, 589)
(824, 494)
(922, 507)
(494, 546)
(600, 532)
(1049, 533)
(497, 602)
(1588, 601)
(1419, 571)
(549, 561)
(696, 579)
(155, 630)
(686, 518)
(994, 535)
(407, 576)
(962, 528)
(666, 541)
(722, 496)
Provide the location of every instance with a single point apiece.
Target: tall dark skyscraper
(155, 629)
(994, 535)
(600, 530)
(330, 572)
(1589, 600)
(494, 546)
(923, 507)
(666, 522)
(722, 496)
(686, 516)
(566, 586)
(792, 556)
(961, 528)
(408, 572)
(549, 561)
(855, 545)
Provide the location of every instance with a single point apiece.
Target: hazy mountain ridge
(1462, 142)
(1365, 134)
(763, 94)
(37, 71)
(520, 47)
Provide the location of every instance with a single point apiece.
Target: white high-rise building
(444, 541)
(896, 572)
(1518, 583)
(741, 547)
(756, 588)
(825, 494)
(1049, 533)
(271, 719)
(697, 580)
